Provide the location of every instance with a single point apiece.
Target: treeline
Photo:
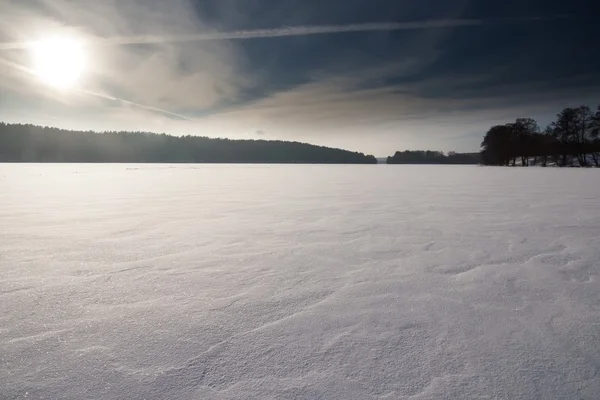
(30, 143)
(571, 140)
(432, 157)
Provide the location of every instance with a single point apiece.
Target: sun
(58, 61)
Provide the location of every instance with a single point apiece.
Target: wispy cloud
(296, 31)
(174, 79)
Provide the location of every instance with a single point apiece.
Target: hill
(30, 143)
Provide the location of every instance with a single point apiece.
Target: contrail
(16, 66)
(112, 98)
(296, 31)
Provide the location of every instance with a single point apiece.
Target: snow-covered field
(299, 282)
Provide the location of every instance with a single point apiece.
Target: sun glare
(58, 62)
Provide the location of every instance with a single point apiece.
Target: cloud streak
(296, 31)
(132, 103)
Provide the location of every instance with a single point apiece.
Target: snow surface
(299, 282)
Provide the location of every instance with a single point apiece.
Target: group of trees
(432, 157)
(572, 140)
(29, 143)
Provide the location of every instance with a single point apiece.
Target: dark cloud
(434, 87)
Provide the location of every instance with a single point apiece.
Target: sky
(374, 76)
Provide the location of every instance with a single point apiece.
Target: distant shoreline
(37, 144)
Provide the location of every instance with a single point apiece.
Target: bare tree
(594, 134)
(523, 130)
(585, 126)
(565, 130)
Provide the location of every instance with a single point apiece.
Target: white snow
(299, 282)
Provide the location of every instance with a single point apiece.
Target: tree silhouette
(585, 127)
(432, 157)
(565, 130)
(522, 131)
(574, 135)
(595, 140)
(498, 146)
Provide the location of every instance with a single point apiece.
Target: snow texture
(298, 282)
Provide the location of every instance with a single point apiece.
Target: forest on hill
(30, 143)
(572, 140)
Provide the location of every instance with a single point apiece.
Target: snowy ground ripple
(298, 282)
